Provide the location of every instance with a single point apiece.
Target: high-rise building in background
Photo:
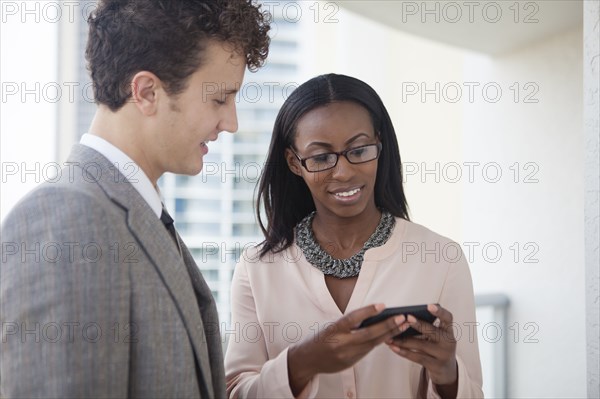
(214, 212)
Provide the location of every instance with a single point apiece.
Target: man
(98, 295)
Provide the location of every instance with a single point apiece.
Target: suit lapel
(156, 241)
(161, 249)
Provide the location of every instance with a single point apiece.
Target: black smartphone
(419, 311)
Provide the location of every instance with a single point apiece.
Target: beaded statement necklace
(340, 268)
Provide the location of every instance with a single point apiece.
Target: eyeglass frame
(338, 154)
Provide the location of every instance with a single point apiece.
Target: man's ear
(146, 89)
(293, 162)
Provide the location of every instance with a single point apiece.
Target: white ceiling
(476, 25)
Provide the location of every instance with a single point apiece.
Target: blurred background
(495, 105)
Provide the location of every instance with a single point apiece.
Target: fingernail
(379, 307)
(412, 319)
(399, 320)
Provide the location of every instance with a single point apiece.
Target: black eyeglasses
(356, 155)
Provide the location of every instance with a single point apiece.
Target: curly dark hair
(167, 38)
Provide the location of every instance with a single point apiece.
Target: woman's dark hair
(284, 195)
(167, 38)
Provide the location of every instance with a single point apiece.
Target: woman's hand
(435, 349)
(338, 346)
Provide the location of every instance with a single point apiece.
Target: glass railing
(492, 330)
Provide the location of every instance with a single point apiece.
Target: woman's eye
(320, 158)
(357, 152)
(220, 102)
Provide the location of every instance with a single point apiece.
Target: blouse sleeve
(249, 372)
(457, 296)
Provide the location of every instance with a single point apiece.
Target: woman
(339, 247)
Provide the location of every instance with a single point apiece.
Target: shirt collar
(132, 172)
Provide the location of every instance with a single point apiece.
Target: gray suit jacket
(95, 299)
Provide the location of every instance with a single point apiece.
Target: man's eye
(220, 102)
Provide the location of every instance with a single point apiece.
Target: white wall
(548, 213)
(591, 69)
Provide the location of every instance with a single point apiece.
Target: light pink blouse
(282, 299)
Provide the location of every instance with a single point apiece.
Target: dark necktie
(168, 222)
